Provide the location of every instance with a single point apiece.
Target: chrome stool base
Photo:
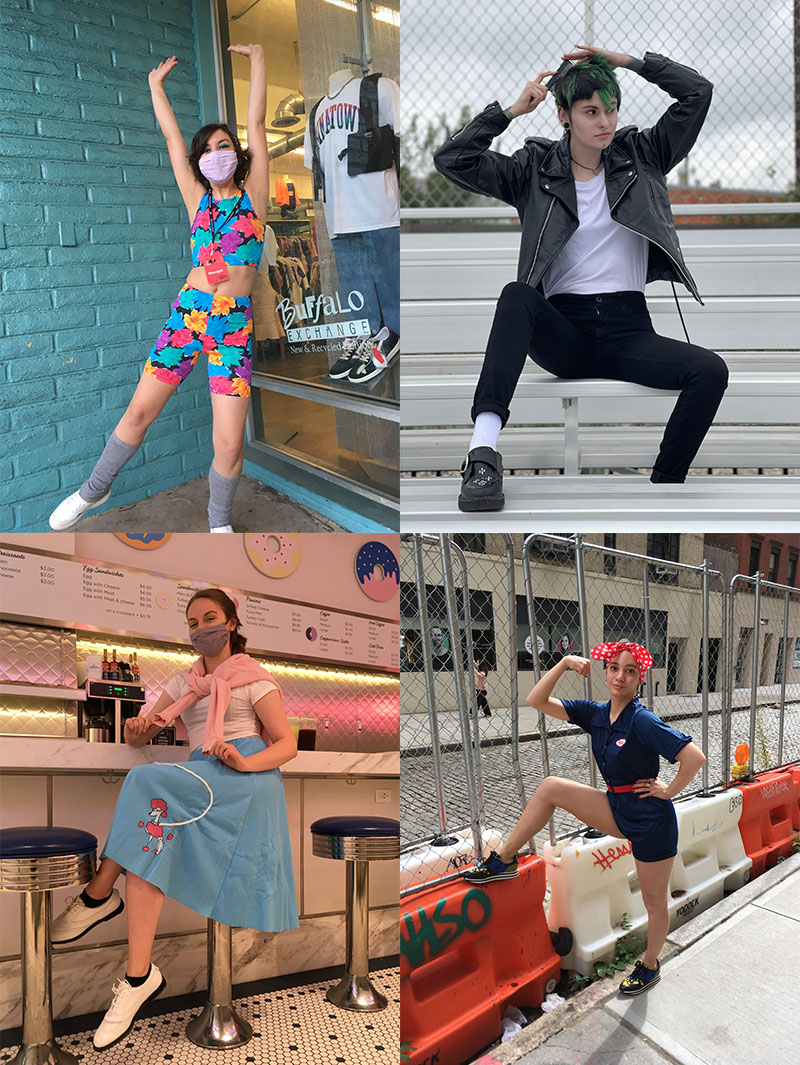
(44, 1054)
(356, 993)
(219, 1027)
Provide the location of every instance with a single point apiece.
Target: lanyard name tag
(215, 268)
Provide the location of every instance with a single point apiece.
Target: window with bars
(755, 555)
(627, 623)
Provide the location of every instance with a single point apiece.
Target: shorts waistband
(207, 298)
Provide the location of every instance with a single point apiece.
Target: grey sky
(457, 52)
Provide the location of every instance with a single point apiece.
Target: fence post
(514, 685)
(783, 674)
(646, 613)
(754, 671)
(430, 685)
(471, 694)
(537, 672)
(704, 673)
(587, 682)
(461, 695)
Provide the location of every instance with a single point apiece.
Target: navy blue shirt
(629, 749)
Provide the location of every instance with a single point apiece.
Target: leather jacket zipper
(539, 241)
(681, 271)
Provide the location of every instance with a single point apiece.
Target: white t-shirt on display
(240, 717)
(601, 255)
(366, 201)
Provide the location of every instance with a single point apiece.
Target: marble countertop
(43, 754)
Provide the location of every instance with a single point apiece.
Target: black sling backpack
(371, 148)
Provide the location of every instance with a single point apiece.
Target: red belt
(622, 787)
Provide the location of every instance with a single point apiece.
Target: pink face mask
(218, 166)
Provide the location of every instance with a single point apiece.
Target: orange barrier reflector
(467, 951)
(767, 812)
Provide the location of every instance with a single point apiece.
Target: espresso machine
(108, 704)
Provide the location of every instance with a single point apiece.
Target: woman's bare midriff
(240, 281)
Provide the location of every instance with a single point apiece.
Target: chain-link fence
(458, 57)
(469, 762)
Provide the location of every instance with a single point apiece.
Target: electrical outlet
(382, 796)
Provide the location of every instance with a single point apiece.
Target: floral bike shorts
(219, 326)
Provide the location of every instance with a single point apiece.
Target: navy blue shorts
(649, 823)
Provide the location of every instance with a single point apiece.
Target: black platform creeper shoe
(482, 481)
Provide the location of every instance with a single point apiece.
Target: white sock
(487, 430)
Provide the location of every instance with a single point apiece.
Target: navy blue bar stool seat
(34, 860)
(357, 840)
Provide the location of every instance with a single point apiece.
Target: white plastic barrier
(427, 861)
(593, 882)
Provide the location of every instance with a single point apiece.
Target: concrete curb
(597, 994)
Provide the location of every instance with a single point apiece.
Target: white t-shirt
(601, 255)
(240, 717)
(366, 201)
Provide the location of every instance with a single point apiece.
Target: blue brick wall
(94, 244)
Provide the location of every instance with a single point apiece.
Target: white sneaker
(78, 918)
(73, 507)
(122, 1012)
(222, 528)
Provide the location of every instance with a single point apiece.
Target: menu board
(113, 598)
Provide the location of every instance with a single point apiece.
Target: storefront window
(326, 301)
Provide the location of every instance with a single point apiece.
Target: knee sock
(221, 491)
(487, 430)
(115, 454)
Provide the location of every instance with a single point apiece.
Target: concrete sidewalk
(729, 993)
(256, 508)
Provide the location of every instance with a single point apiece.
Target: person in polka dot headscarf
(627, 742)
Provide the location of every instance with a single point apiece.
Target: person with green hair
(596, 227)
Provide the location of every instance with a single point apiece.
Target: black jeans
(608, 335)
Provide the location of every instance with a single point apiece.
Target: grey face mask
(210, 640)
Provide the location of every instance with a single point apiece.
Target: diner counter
(44, 754)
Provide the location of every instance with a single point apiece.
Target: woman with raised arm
(225, 189)
(596, 227)
(627, 741)
(213, 833)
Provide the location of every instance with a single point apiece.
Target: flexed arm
(257, 183)
(540, 697)
(191, 189)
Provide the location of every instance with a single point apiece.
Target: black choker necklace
(592, 168)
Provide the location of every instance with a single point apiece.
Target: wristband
(507, 113)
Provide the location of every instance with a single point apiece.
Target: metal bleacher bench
(749, 279)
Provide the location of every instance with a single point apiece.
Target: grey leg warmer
(115, 454)
(221, 491)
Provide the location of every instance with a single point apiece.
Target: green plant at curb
(794, 849)
(628, 950)
(406, 1050)
(762, 742)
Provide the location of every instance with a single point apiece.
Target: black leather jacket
(537, 179)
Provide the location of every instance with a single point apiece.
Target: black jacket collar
(556, 164)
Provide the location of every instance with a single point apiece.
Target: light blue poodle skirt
(213, 838)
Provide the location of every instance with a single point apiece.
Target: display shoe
(78, 918)
(492, 868)
(482, 481)
(385, 345)
(350, 357)
(72, 508)
(127, 1002)
(222, 528)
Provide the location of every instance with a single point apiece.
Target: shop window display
(326, 302)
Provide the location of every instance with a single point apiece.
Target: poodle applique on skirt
(213, 838)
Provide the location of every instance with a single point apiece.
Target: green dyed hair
(582, 81)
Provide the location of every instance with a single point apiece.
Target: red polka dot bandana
(604, 652)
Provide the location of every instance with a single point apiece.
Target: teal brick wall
(94, 245)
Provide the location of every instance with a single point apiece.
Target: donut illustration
(143, 541)
(273, 554)
(377, 571)
(164, 600)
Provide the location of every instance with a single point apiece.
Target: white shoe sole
(68, 525)
(94, 924)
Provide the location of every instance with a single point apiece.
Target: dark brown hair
(228, 607)
(199, 142)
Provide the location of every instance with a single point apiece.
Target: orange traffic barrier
(795, 806)
(767, 812)
(467, 951)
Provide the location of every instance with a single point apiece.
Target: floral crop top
(231, 224)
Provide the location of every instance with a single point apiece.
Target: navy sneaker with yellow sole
(492, 868)
(640, 979)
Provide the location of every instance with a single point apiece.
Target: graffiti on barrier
(605, 859)
(438, 928)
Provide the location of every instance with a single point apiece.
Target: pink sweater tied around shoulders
(232, 673)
